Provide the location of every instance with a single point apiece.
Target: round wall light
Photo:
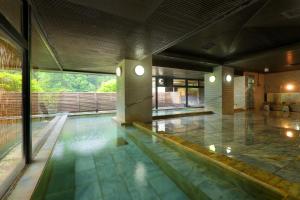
(266, 69)
(212, 79)
(228, 78)
(139, 70)
(289, 134)
(118, 71)
(290, 87)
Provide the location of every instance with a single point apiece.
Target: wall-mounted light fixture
(228, 150)
(289, 134)
(290, 87)
(266, 70)
(212, 147)
(228, 78)
(139, 70)
(118, 71)
(212, 78)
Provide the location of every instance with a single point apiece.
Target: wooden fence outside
(43, 103)
(52, 102)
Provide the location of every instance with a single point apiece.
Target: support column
(219, 95)
(26, 71)
(134, 92)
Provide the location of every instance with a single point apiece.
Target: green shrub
(108, 86)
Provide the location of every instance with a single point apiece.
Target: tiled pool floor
(267, 141)
(94, 159)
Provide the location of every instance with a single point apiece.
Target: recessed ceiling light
(139, 70)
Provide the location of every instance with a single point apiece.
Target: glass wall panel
(60, 92)
(179, 82)
(11, 9)
(170, 97)
(11, 154)
(193, 83)
(172, 93)
(153, 92)
(196, 97)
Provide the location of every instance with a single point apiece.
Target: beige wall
(276, 82)
(259, 88)
(240, 92)
(228, 92)
(213, 91)
(218, 96)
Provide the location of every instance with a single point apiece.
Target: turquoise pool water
(94, 159)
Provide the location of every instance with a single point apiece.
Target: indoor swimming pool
(95, 158)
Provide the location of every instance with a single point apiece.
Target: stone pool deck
(178, 133)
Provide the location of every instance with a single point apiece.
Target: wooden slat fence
(51, 102)
(43, 103)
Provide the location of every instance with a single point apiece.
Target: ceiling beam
(161, 61)
(262, 53)
(43, 35)
(6, 26)
(196, 59)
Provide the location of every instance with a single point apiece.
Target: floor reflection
(161, 112)
(270, 141)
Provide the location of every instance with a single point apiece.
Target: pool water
(94, 159)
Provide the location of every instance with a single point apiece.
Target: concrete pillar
(134, 93)
(219, 95)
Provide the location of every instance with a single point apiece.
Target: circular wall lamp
(161, 81)
(118, 71)
(266, 69)
(290, 87)
(228, 78)
(139, 70)
(289, 134)
(212, 79)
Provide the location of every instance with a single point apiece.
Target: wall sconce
(139, 70)
(290, 87)
(228, 78)
(289, 134)
(212, 147)
(228, 150)
(212, 79)
(118, 71)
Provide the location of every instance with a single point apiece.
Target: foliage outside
(108, 86)
(58, 82)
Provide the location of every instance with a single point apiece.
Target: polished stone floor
(270, 141)
(94, 160)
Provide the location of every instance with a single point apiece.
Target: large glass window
(11, 156)
(169, 97)
(178, 93)
(195, 98)
(153, 92)
(179, 82)
(193, 83)
(61, 92)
